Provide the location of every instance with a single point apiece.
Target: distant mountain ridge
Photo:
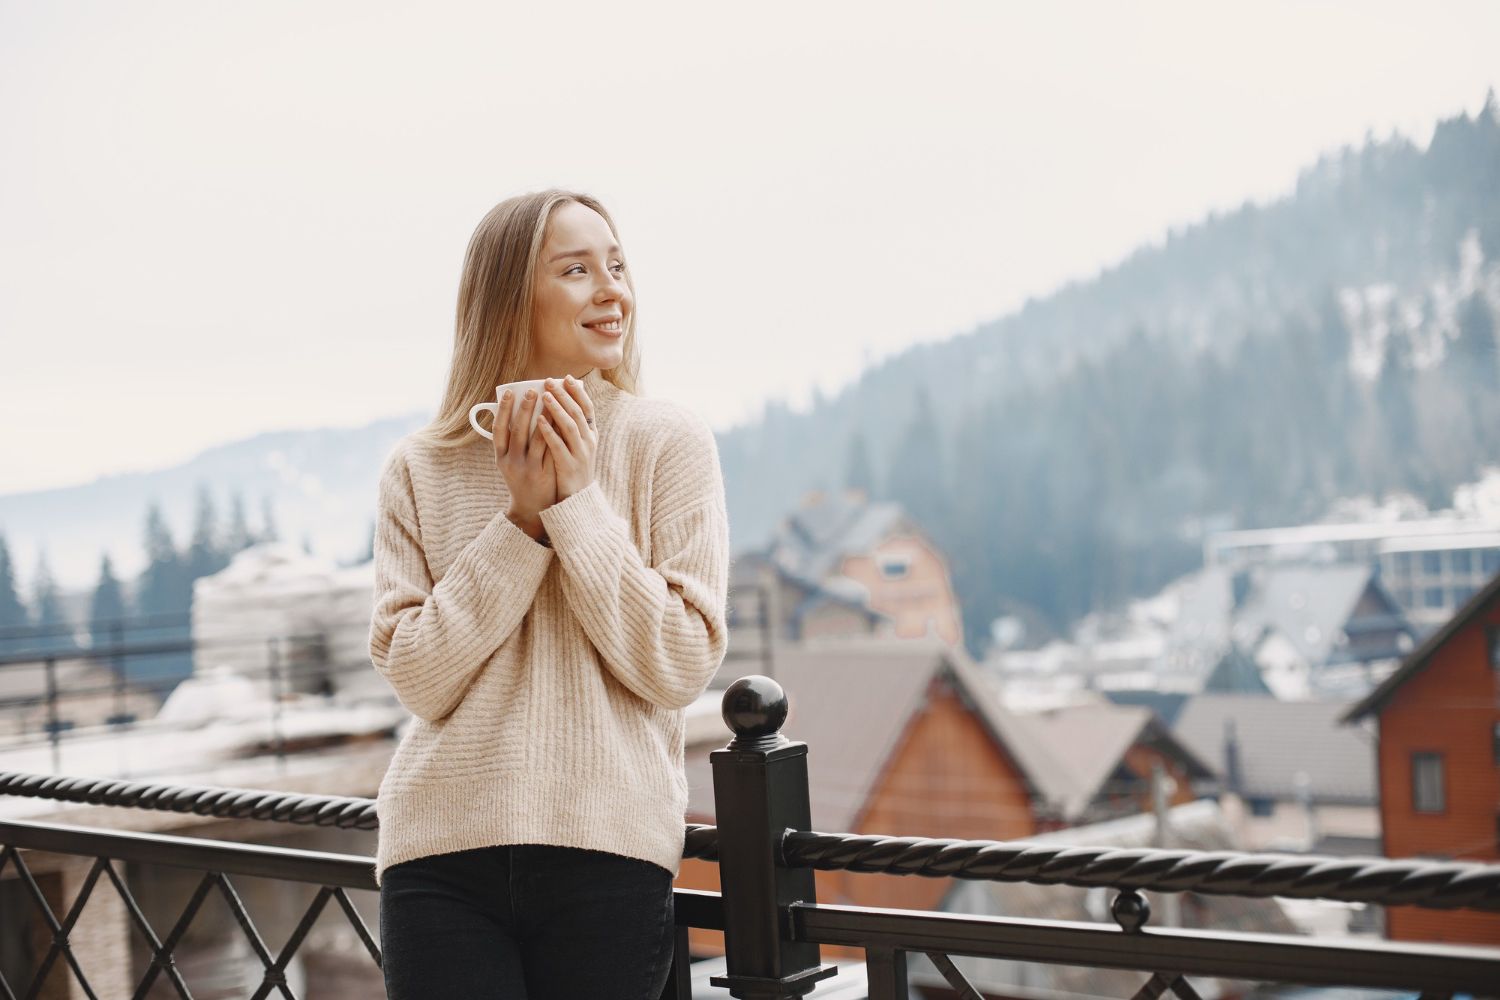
(321, 484)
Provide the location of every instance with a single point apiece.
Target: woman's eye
(576, 267)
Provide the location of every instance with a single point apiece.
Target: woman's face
(580, 284)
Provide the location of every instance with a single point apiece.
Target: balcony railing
(767, 904)
(132, 648)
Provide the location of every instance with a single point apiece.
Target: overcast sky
(218, 219)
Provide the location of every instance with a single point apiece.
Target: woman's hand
(526, 463)
(567, 426)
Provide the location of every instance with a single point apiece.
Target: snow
(192, 752)
(1481, 498)
(215, 694)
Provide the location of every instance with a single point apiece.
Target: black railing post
(117, 659)
(766, 629)
(54, 726)
(760, 792)
(273, 650)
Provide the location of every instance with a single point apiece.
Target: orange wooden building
(906, 738)
(1438, 761)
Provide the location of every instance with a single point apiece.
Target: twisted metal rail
(1433, 884)
(230, 803)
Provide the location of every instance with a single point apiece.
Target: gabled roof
(814, 538)
(1166, 704)
(1276, 740)
(1417, 660)
(747, 566)
(1236, 672)
(1084, 745)
(856, 695)
(1306, 604)
(851, 700)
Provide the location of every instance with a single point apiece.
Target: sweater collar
(604, 393)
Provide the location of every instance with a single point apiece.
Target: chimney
(1233, 777)
(1303, 784)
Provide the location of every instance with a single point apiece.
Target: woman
(545, 606)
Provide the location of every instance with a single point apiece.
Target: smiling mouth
(612, 326)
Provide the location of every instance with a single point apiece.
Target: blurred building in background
(1437, 720)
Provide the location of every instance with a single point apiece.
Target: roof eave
(1416, 660)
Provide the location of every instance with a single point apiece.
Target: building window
(1427, 782)
(1463, 561)
(1490, 558)
(893, 566)
(1432, 563)
(1432, 597)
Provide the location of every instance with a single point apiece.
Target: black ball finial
(1131, 910)
(754, 707)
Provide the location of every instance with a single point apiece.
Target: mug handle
(474, 414)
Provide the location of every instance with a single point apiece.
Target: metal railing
(767, 909)
(293, 663)
(301, 661)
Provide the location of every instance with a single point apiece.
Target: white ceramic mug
(517, 399)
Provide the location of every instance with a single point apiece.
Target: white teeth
(612, 325)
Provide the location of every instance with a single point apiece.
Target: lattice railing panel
(162, 963)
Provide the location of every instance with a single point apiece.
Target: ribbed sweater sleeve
(430, 640)
(660, 628)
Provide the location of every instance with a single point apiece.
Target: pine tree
(164, 586)
(857, 473)
(204, 556)
(12, 611)
(164, 590)
(1393, 394)
(918, 479)
(107, 609)
(1476, 349)
(55, 630)
(238, 537)
(268, 519)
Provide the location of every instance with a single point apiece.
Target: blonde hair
(493, 335)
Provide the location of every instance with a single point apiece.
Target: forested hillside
(1246, 373)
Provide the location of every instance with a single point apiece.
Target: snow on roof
(1468, 540)
(212, 694)
(163, 751)
(1370, 530)
(281, 567)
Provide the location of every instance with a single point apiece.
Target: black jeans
(526, 922)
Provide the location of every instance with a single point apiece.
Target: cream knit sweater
(547, 685)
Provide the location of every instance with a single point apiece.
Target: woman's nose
(614, 287)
